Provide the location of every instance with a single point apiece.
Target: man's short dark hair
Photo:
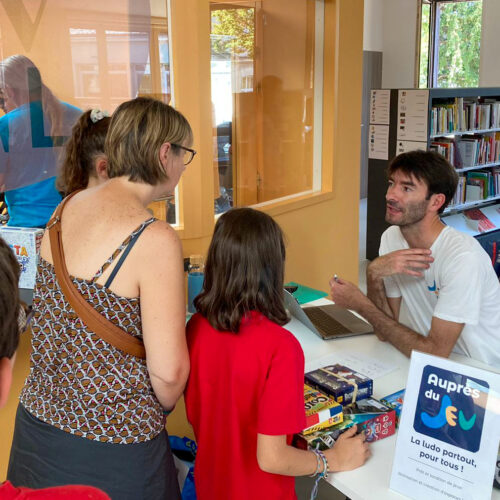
(9, 301)
(430, 167)
(244, 270)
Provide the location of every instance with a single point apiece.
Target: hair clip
(97, 114)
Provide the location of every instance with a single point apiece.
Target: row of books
(477, 185)
(465, 114)
(469, 151)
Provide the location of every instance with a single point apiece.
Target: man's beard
(413, 212)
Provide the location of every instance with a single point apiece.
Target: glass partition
(87, 54)
(267, 72)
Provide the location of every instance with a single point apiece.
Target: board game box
(25, 243)
(341, 383)
(395, 401)
(371, 416)
(321, 410)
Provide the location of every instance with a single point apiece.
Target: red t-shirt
(9, 492)
(240, 385)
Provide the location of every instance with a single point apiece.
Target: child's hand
(349, 452)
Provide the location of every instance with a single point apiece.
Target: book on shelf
(477, 186)
(473, 192)
(446, 148)
(459, 197)
(476, 179)
(475, 221)
(480, 219)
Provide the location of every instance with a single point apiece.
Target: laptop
(329, 321)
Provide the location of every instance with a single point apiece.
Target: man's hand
(410, 261)
(346, 294)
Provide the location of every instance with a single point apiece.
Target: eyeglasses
(188, 153)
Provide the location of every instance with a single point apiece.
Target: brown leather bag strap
(95, 321)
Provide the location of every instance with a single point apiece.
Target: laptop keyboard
(324, 322)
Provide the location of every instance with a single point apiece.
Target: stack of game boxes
(353, 391)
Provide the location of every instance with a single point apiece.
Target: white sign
(405, 146)
(378, 142)
(449, 432)
(380, 105)
(413, 110)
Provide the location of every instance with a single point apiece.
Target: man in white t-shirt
(432, 289)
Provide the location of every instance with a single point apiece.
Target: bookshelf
(461, 124)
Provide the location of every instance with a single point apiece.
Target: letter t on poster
(449, 432)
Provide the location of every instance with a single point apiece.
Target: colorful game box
(25, 243)
(372, 417)
(395, 401)
(341, 383)
(321, 411)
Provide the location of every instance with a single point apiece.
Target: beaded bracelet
(319, 461)
(326, 470)
(320, 456)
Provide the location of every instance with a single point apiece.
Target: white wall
(489, 69)
(399, 43)
(373, 27)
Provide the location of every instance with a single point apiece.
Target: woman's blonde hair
(136, 133)
(20, 74)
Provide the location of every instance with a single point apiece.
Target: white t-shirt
(460, 286)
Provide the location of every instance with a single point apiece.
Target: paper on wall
(378, 142)
(413, 110)
(380, 105)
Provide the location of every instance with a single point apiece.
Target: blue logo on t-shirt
(451, 407)
(432, 288)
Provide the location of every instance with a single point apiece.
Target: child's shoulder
(272, 331)
(255, 325)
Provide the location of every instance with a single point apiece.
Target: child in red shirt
(244, 396)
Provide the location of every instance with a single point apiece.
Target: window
(450, 40)
(266, 76)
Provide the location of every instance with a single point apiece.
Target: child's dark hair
(244, 270)
(9, 301)
(82, 149)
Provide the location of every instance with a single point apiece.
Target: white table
(370, 482)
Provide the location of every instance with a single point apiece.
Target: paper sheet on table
(366, 365)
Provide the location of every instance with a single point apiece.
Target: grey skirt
(43, 456)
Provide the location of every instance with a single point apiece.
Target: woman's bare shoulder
(160, 238)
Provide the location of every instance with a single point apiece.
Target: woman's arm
(163, 312)
(275, 456)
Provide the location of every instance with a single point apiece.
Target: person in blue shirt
(32, 132)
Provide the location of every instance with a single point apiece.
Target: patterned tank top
(78, 382)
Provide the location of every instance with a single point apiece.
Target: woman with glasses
(91, 413)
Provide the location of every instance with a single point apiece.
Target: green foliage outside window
(458, 39)
(459, 44)
(234, 31)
